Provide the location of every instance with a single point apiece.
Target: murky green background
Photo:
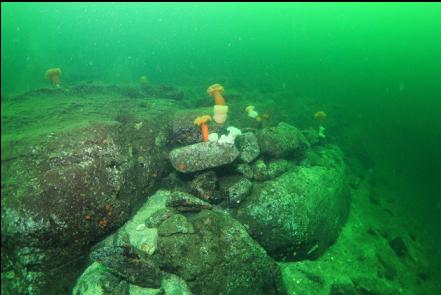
(378, 64)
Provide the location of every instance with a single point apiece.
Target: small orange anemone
(265, 116)
(54, 75)
(320, 116)
(143, 81)
(216, 90)
(202, 122)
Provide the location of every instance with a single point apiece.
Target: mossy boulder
(282, 140)
(299, 214)
(65, 185)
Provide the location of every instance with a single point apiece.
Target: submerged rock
(219, 258)
(158, 217)
(129, 265)
(282, 140)
(177, 224)
(245, 170)
(398, 246)
(206, 187)
(75, 188)
(201, 156)
(248, 147)
(236, 189)
(72, 182)
(299, 214)
(272, 169)
(98, 280)
(183, 202)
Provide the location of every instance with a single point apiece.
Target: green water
(374, 67)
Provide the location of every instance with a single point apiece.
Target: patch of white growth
(213, 137)
(233, 132)
(322, 132)
(224, 139)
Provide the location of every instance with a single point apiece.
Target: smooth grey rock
(201, 156)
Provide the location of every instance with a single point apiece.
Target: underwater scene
(221, 148)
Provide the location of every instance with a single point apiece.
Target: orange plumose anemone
(216, 91)
(202, 122)
(54, 74)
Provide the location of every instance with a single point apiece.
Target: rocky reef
(224, 215)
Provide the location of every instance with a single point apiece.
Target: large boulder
(64, 190)
(299, 214)
(201, 156)
(209, 250)
(282, 140)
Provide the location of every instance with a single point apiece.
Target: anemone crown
(320, 115)
(53, 72)
(201, 119)
(215, 88)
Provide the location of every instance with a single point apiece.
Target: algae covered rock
(98, 280)
(299, 214)
(174, 225)
(282, 140)
(206, 187)
(133, 267)
(236, 189)
(201, 156)
(72, 180)
(268, 170)
(248, 147)
(218, 258)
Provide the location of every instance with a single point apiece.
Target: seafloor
(107, 189)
